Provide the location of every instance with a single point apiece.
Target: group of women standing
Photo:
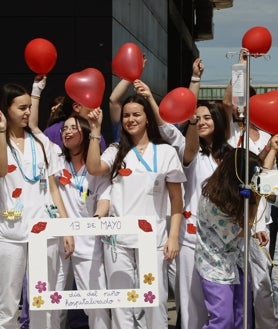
(168, 173)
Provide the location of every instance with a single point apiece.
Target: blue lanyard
(34, 162)
(140, 158)
(78, 182)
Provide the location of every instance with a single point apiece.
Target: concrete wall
(145, 24)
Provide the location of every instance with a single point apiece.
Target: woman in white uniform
(84, 195)
(202, 148)
(30, 172)
(144, 171)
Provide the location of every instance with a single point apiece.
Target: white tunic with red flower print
(17, 193)
(82, 203)
(142, 192)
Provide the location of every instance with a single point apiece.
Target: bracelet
(94, 137)
(2, 131)
(36, 97)
(195, 79)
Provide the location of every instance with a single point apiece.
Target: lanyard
(78, 182)
(140, 158)
(34, 162)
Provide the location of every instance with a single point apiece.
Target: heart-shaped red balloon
(257, 40)
(264, 111)
(178, 105)
(40, 55)
(128, 62)
(86, 87)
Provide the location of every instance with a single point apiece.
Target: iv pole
(246, 191)
(246, 199)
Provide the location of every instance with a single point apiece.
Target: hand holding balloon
(38, 85)
(95, 119)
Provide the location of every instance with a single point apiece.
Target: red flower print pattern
(124, 171)
(67, 174)
(65, 179)
(187, 214)
(17, 192)
(145, 225)
(191, 229)
(11, 168)
(39, 227)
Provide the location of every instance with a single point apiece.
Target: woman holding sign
(84, 195)
(144, 171)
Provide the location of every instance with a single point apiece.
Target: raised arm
(95, 165)
(192, 143)
(144, 90)
(197, 71)
(37, 88)
(195, 83)
(115, 99)
(191, 137)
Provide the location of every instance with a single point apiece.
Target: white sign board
(44, 228)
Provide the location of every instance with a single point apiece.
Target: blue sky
(230, 25)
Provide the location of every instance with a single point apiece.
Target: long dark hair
(223, 186)
(8, 92)
(219, 138)
(126, 143)
(85, 127)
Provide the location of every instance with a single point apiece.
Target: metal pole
(246, 200)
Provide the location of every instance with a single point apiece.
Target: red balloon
(40, 55)
(178, 105)
(86, 87)
(264, 111)
(257, 40)
(128, 62)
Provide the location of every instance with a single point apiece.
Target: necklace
(18, 141)
(142, 148)
(35, 177)
(144, 163)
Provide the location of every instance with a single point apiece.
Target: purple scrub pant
(225, 304)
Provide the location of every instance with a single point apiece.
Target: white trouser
(260, 266)
(89, 275)
(13, 260)
(274, 277)
(192, 306)
(122, 272)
